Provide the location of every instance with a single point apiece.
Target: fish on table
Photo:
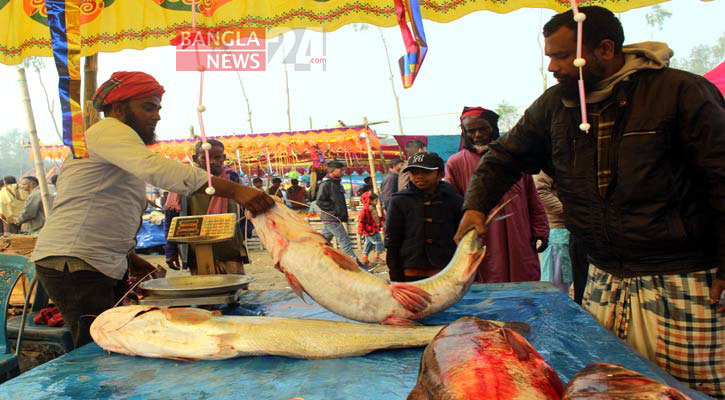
(196, 334)
(602, 381)
(473, 359)
(335, 281)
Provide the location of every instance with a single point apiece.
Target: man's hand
(718, 287)
(472, 219)
(253, 200)
(174, 262)
(542, 246)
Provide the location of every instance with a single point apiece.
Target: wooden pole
(371, 162)
(392, 84)
(239, 162)
(33, 134)
(90, 82)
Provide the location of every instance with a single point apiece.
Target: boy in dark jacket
(422, 220)
(331, 200)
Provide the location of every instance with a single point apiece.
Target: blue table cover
(565, 335)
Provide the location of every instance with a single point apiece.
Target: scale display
(202, 228)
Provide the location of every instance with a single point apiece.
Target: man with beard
(512, 243)
(643, 189)
(86, 246)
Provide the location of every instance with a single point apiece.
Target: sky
(482, 59)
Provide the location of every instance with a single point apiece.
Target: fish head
(105, 328)
(279, 226)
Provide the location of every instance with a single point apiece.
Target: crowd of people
(630, 210)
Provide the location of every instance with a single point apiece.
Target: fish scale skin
(602, 381)
(354, 293)
(195, 334)
(473, 359)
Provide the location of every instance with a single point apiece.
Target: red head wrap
(488, 115)
(126, 86)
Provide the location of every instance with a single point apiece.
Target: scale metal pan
(196, 285)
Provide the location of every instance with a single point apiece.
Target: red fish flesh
(475, 359)
(602, 381)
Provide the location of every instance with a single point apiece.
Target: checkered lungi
(668, 319)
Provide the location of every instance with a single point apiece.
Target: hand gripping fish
(472, 359)
(195, 334)
(602, 381)
(334, 280)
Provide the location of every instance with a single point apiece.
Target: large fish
(472, 359)
(602, 381)
(195, 334)
(334, 280)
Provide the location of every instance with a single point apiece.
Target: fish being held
(473, 359)
(334, 280)
(195, 334)
(602, 381)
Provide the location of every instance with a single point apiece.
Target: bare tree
(702, 58)
(246, 99)
(37, 64)
(657, 16)
(508, 115)
(396, 100)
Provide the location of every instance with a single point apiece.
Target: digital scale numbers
(202, 228)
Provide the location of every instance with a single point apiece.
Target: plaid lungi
(668, 319)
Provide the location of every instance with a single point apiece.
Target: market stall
(565, 335)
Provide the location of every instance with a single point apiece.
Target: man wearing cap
(331, 200)
(86, 246)
(422, 220)
(512, 242)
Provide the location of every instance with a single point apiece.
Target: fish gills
(602, 381)
(475, 359)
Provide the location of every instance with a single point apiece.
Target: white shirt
(97, 211)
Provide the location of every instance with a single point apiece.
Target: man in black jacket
(331, 200)
(422, 219)
(643, 189)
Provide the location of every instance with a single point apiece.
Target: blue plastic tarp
(150, 235)
(565, 335)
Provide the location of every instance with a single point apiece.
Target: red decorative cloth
(126, 86)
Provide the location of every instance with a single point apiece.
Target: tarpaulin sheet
(564, 334)
(150, 235)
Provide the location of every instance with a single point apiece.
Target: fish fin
(474, 264)
(278, 267)
(522, 349)
(295, 285)
(418, 393)
(400, 321)
(521, 328)
(412, 298)
(342, 260)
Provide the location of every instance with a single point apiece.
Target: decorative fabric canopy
(114, 25)
(276, 151)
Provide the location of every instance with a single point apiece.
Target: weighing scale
(206, 288)
(200, 231)
(195, 290)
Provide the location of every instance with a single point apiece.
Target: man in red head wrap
(86, 247)
(511, 254)
(134, 98)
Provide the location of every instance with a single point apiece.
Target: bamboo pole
(286, 84)
(239, 162)
(249, 108)
(90, 78)
(33, 133)
(371, 162)
(392, 83)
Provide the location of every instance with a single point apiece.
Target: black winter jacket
(331, 199)
(419, 228)
(664, 211)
